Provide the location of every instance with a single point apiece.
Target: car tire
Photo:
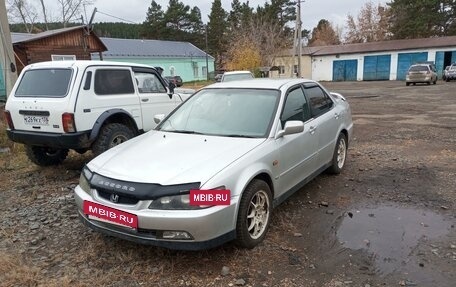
(340, 155)
(254, 215)
(407, 84)
(110, 136)
(435, 82)
(45, 156)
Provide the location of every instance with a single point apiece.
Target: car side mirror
(158, 118)
(291, 127)
(171, 87)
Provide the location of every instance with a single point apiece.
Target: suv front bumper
(77, 140)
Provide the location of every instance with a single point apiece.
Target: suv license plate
(111, 215)
(36, 120)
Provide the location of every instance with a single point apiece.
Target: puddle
(390, 233)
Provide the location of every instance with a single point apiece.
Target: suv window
(319, 100)
(51, 83)
(113, 82)
(296, 107)
(149, 83)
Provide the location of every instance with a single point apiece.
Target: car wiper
(183, 132)
(239, 136)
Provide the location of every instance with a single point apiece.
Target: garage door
(443, 59)
(377, 68)
(407, 59)
(345, 70)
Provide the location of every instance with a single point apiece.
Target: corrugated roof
(150, 48)
(24, 37)
(383, 46)
(19, 37)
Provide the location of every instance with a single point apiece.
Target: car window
(149, 83)
(319, 101)
(296, 107)
(52, 83)
(225, 112)
(419, 69)
(113, 82)
(235, 77)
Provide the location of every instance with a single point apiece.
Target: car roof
(237, 72)
(84, 64)
(260, 83)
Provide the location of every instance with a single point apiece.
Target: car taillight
(68, 123)
(9, 120)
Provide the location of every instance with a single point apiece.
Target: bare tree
(24, 12)
(370, 25)
(70, 9)
(45, 19)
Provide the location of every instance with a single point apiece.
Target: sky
(312, 11)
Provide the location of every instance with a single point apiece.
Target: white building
(387, 60)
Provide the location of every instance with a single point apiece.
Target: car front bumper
(208, 227)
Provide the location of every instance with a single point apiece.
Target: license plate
(111, 215)
(36, 120)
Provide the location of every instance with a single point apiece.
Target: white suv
(82, 105)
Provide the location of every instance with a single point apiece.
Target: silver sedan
(213, 169)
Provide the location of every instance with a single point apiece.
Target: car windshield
(235, 77)
(419, 69)
(50, 83)
(452, 68)
(225, 112)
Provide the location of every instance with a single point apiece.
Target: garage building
(386, 60)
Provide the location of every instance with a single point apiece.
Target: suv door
(325, 123)
(105, 88)
(154, 97)
(297, 151)
(40, 98)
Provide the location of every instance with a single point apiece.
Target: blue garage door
(345, 70)
(441, 62)
(2, 85)
(407, 59)
(377, 68)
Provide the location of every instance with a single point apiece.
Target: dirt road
(387, 220)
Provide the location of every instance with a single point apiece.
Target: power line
(118, 18)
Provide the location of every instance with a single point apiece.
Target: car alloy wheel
(254, 214)
(341, 153)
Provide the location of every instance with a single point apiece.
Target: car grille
(122, 198)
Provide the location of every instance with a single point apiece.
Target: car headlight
(175, 202)
(178, 202)
(84, 179)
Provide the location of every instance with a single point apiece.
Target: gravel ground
(387, 220)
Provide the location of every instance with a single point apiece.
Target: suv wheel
(110, 136)
(45, 156)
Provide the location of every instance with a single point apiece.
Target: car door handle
(144, 100)
(336, 115)
(312, 130)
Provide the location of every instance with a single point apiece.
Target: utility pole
(298, 26)
(207, 60)
(7, 61)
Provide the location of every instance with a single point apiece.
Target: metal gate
(407, 59)
(345, 70)
(377, 68)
